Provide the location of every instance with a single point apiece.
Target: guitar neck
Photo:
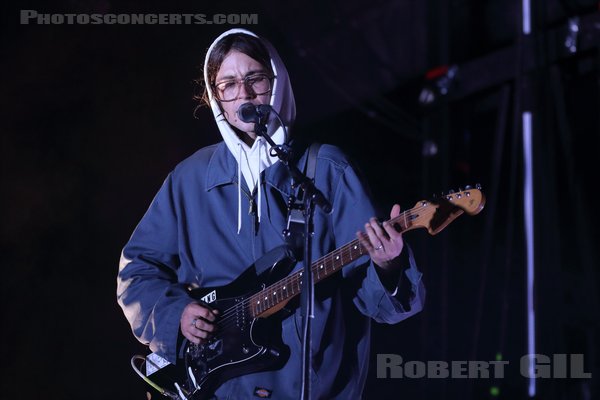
(433, 216)
(289, 287)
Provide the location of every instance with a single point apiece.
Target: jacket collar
(222, 168)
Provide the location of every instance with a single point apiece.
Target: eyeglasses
(256, 84)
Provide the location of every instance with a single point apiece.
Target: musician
(224, 207)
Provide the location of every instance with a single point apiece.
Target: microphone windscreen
(247, 113)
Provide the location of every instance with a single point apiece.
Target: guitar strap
(294, 232)
(311, 160)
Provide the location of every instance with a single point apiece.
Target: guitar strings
(229, 316)
(232, 314)
(242, 309)
(278, 286)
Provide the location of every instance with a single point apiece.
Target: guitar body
(243, 344)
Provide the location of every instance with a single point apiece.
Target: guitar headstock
(435, 214)
(470, 200)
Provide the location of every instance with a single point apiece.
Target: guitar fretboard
(291, 286)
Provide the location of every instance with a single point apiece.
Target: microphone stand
(311, 196)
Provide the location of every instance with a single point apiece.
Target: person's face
(236, 66)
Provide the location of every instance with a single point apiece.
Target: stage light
(439, 82)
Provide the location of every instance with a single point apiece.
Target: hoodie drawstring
(258, 188)
(258, 184)
(239, 174)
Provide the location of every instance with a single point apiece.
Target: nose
(245, 92)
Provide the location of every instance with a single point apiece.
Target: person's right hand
(197, 323)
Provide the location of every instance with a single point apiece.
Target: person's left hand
(382, 241)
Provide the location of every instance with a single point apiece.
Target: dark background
(94, 117)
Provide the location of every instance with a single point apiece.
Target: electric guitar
(245, 341)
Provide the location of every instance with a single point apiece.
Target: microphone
(249, 112)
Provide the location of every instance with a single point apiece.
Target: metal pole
(529, 242)
(528, 204)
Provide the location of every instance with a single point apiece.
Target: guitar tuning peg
(478, 186)
(460, 189)
(451, 191)
(468, 187)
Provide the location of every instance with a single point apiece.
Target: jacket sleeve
(352, 209)
(147, 287)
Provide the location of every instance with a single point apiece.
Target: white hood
(253, 160)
